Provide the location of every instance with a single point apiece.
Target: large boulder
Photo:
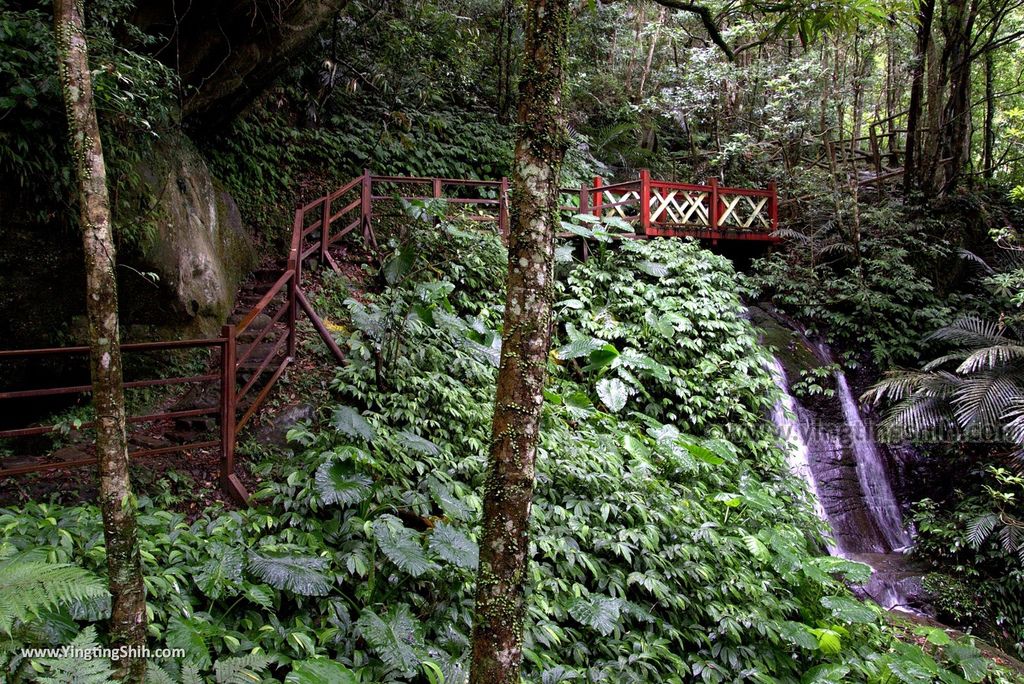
(193, 240)
(198, 247)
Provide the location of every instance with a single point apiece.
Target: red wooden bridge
(657, 208)
(254, 349)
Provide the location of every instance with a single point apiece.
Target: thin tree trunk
(911, 159)
(650, 55)
(508, 495)
(124, 567)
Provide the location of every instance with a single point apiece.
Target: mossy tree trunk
(541, 143)
(128, 616)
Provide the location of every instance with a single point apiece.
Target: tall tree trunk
(505, 57)
(930, 152)
(958, 29)
(914, 137)
(541, 144)
(124, 567)
(988, 155)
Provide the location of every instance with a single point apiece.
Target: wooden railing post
(437, 196)
(584, 200)
(713, 205)
(293, 313)
(645, 202)
(295, 253)
(774, 206)
(325, 229)
(503, 217)
(597, 197)
(227, 407)
(366, 205)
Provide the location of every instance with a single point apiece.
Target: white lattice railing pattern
(668, 208)
(682, 207)
(744, 211)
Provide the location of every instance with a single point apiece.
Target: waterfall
(787, 416)
(832, 451)
(871, 471)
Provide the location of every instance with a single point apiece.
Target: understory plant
(668, 541)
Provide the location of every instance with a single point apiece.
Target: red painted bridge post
(713, 205)
(645, 202)
(227, 406)
(774, 208)
(597, 197)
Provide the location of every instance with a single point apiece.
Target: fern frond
(245, 669)
(970, 332)
(78, 670)
(980, 528)
(917, 416)
(982, 399)
(29, 585)
(991, 357)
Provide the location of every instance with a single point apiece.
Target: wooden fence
(252, 354)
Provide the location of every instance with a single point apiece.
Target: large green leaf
(598, 612)
(414, 442)
(402, 546)
(613, 393)
(222, 574)
(450, 503)
(849, 609)
(319, 672)
(186, 633)
(396, 638)
(453, 546)
(336, 483)
(581, 346)
(349, 422)
(303, 575)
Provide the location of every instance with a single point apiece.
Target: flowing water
(871, 471)
(847, 475)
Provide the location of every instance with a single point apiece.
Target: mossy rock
(788, 345)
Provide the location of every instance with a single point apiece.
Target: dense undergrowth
(668, 543)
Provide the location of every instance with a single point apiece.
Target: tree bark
(124, 567)
(988, 154)
(508, 494)
(912, 155)
(958, 29)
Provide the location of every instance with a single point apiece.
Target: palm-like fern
(29, 585)
(977, 386)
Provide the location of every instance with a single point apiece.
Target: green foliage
(30, 586)
(135, 102)
(668, 541)
(875, 295)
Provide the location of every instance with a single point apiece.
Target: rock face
(199, 249)
(830, 439)
(227, 51)
(194, 242)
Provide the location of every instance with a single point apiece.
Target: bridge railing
(667, 208)
(250, 356)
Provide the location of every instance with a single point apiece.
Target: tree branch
(705, 17)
